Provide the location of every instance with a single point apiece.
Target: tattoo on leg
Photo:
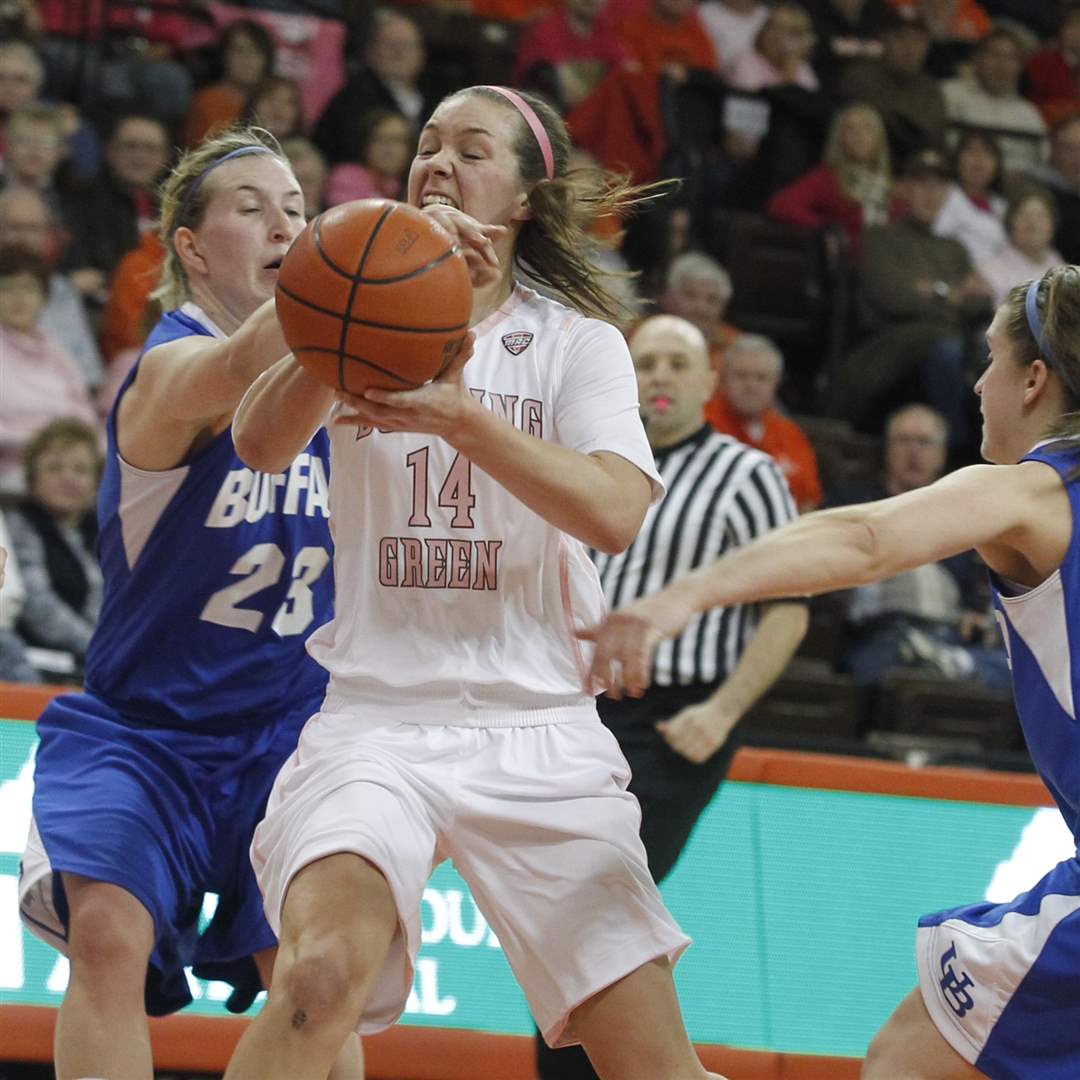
(299, 1018)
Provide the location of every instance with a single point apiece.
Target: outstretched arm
(193, 384)
(1005, 509)
(281, 411)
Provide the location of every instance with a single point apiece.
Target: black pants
(672, 792)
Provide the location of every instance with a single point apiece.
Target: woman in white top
(1030, 223)
(781, 53)
(973, 211)
(458, 720)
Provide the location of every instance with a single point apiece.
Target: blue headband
(189, 197)
(1035, 325)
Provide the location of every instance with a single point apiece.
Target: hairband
(1035, 324)
(528, 114)
(189, 196)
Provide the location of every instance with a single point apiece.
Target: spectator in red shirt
(566, 53)
(850, 188)
(153, 79)
(745, 408)
(1053, 73)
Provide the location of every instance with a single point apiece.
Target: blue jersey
(214, 576)
(1041, 628)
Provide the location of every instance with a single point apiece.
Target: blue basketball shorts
(167, 815)
(1002, 981)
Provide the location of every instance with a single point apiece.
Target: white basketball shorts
(536, 819)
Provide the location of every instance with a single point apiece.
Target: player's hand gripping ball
(374, 294)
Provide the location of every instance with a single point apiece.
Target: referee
(679, 737)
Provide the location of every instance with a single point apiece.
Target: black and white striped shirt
(721, 494)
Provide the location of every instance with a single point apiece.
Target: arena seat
(959, 712)
(787, 286)
(809, 703)
(846, 458)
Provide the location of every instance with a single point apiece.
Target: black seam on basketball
(317, 241)
(412, 273)
(346, 314)
(358, 360)
(312, 306)
(447, 361)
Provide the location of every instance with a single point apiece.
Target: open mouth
(432, 199)
(275, 265)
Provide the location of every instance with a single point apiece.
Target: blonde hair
(184, 199)
(1057, 300)
(60, 434)
(847, 173)
(554, 245)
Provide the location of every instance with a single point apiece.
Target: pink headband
(528, 114)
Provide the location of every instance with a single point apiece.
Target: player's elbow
(872, 561)
(613, 541)
(256, 448)
(616, 530)
(622, 507)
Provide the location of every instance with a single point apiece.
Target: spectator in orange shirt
(247, 55)
(125, 318)
(745, 408)
(698, 289)
(668, 38)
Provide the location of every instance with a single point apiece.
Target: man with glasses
(934, 618)
(108, 217)
(26, 222)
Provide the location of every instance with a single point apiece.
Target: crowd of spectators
(927, 150)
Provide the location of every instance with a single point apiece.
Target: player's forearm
(257, 345)
(819, 552)
(779, 633)
(570, 490)
(278, 415)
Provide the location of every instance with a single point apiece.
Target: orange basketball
(373, 293)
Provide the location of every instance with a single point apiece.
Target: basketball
(374, 294)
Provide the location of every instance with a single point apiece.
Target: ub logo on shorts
(954, 984)
(517, 342)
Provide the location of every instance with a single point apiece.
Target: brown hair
(1058, 304)
(553, 245)
(37, 113)
(61, 433)
(268, 85)
(977, 137)
(1024, 193)
(20, 260)
(179, 208)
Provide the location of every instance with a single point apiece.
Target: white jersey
(452, 597)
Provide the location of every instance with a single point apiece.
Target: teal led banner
(802, 905)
